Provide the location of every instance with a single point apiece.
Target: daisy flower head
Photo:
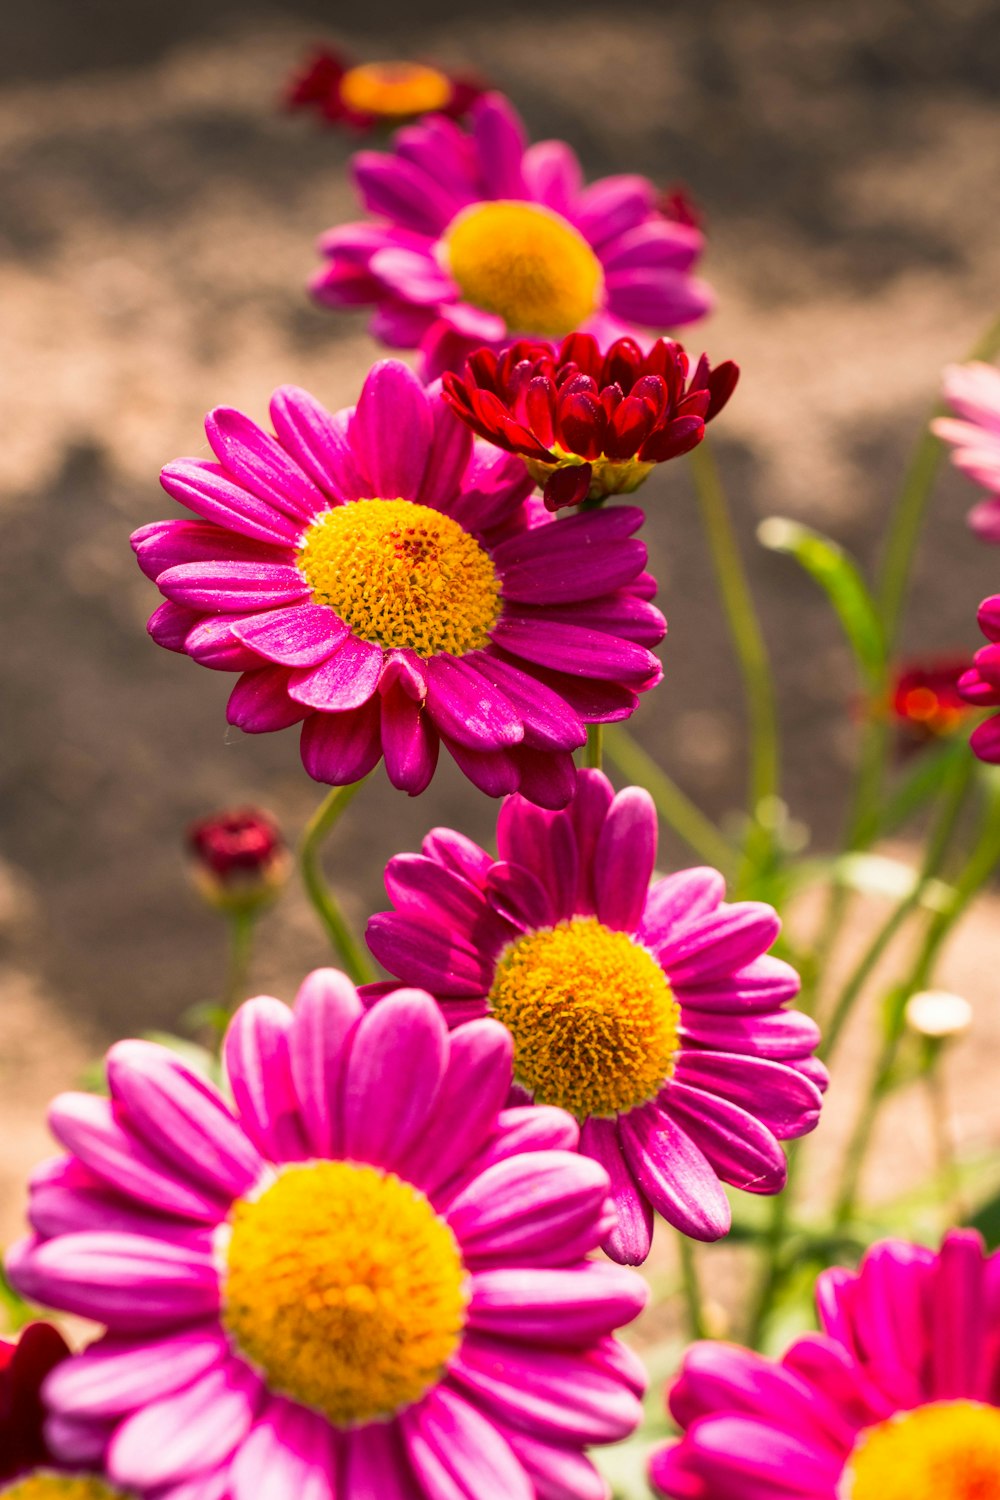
(653, 1013)
(385, 580)
(365, 1277)
(973, 393)
(476, 238)
(588, 424)
(376, 95)
(895, 1399)
(980, 685)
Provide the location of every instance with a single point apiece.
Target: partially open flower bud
(938, 1014)
(239, 858)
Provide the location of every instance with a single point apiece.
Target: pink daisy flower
(477, 238)
(896, 1398)
(980, 685)
(973, 393)
(386, 580)
(365, 1278)
(652, 1013)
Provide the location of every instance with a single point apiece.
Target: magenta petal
(114, 1376)
(626, 854)
(451, 451)
(391, 431)
(682, 897)
(958, 1302)
(187, 1433)
(519, 897)
(494, 772)
(543, 845)
(757, 1460)
(317, 441)
(327, 1009)
(258, 1066)
(410, 742)
(228, 587)
(168, 544)
(340, 749)
(674, 1174)
(301, 636)
(549, 722)
(574, 649)
(628, 1243)
(545, 777)
(553, 175)
(208, 490)
(259, 703)
(761, 985)
(467, 709)
(439, 896)
(741, 1150)
(558, 1473)
(474, 1087)
(569, 1306)
(459, 1454)
(290, 1451)
(780, 1096)
(171, 624)
(501, 142)
(127, 1281)
(261, 465)
(165, 1101)
(441, 960)
(344, 680)
(395, 1067)
(375, 1464)
(211, 643)
(528, 1203)
(718, 943)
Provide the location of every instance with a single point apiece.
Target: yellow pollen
(345, 1289)
(946, 1450)
(402, 574)
(45, 1484)
(395, 89)
(526, 263)
(593, 1018)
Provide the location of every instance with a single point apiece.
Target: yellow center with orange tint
(592, 1016)
(395, 89)
(345, 1289)
(946, 1450)
(526, 264)
(403, 575)
(46, 1484)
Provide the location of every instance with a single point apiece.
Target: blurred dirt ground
(157, 216)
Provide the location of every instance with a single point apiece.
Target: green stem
(981, 865)
(751, 651)
(593, 751)
(674, 806)
(943, 1136)
(952, 802)
(242, 923)
(772, 1272)
(692, 1288)
(349, 950)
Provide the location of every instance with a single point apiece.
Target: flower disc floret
(345, 1288)
(526, 264)
(398, 90)
(50, 1485)
(587, 424)
(592, 1016)
(402, 575)
(946, 1450)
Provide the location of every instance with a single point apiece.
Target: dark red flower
(588, 424)
(675, 203)
(23, 1368)
(240, 857)
(925, 695)
(366, 96)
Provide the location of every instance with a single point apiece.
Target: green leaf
(931, 768)
(840, 579)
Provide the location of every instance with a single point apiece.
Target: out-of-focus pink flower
(478, 238)
(973, 393)
(895, 1399)
(374, 95)
(980, 686)
(590, 425)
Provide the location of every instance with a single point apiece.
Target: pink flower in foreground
(366, 1278)
(973, 393)
(652, 1013)
(477, 238)
(896, 1399)
(383, 578)
(980, 686)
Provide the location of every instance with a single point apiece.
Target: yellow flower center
(593, 1018)
(946, 1450)
(525, 263)
(395, 89)
(402, 574)
(45, 1484)
(345, 1289)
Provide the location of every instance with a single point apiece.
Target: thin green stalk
(593, 751)
(943, 1135)
(349, 950)
(772, 1272)
(242, 923)
(980, 866)
(751, 651)
(674, 806)
(691, 1285)
(952, 803)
